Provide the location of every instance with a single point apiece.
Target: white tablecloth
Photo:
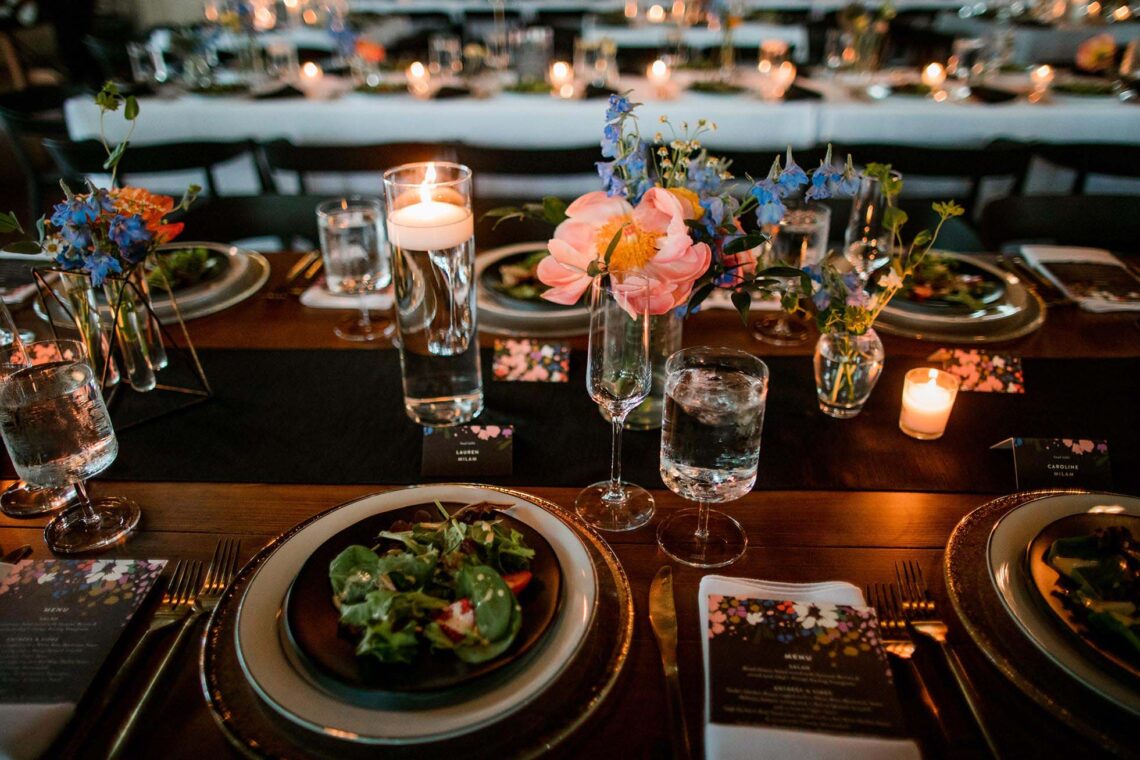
(1037, 44)
(748, 34)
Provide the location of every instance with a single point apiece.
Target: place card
(531, 361)
(803, 666)
(982, 371)
(1059, 463)
(468, 451)
(59, 619)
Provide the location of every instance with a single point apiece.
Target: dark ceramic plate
(491, 280)
(1044, 580)
(217, 263)
(940, 305)
(312, 623)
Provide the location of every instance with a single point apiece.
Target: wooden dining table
(801, 535)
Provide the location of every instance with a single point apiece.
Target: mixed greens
(716, 87)
(186, 266)
(448, 585)
(520, 280)
(1100, 585)
(937, 278)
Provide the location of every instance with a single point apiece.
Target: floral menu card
(525, 360)
(59, 619)
(982, 371)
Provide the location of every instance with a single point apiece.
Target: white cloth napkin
(26, 731)
(1037, 255)
(740, 742)
(317, 297)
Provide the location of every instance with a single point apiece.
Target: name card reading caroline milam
(1059, 463)
(468, 451)
(59, 619)
(801, 666)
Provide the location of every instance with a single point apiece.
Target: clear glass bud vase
(137, 332)
(847, 367)
(79, 294)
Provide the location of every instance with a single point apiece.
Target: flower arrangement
(105, 232)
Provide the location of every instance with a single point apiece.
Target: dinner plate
(985, 581)
(500, 316)
(1045, 580)
(1019, 312)
(291, 692)
(579, 689)
(311, 622)
(247, 271)
(938, 305)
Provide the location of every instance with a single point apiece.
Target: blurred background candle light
(311, 74)
(658, 75)
(1042, 79)
(561, 73)
(631, 9)
(775, 79)
(933, 76)
(927, 398)
(419, 80)
(655, 14)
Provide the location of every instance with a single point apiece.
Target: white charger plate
(293, 695)
(1005, 556)
(496, 317)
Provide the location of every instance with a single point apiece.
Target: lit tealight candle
(631, 8)
(933, 76)
(658, 75)
(1042, 79)
(655, 14)
(429, 224)
(419, 80)
(775, 80)
(560, 74)
(927, 398)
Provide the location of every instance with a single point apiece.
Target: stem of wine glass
(615, 493)
(365, 317)
(90, 519)
(702, 532)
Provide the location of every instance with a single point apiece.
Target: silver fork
(204, 598)
(898, 643)
(922, 617)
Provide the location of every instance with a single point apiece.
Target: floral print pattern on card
(88, 584)
(982, 371)
(531, 361)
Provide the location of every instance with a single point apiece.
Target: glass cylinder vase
(664, 341)
(847, 367)
(431, 236)
(79, 294)
(137, 332)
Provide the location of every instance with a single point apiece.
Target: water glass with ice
(356, 261)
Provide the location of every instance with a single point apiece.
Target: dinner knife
(17, 555)
(299, 266)
(663, 618)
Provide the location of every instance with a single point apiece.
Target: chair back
(1111, 159)
(303, 160)
(288, 218)
(1101, 221)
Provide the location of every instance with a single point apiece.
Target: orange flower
(152, 208)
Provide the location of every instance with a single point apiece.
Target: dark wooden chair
(1087, 159)
(292, 219)
(27, 117)
(1101, 221)
(282, 155)
(86, 157)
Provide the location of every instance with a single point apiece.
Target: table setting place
(785, 557)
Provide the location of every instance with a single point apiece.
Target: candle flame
(932, 374)
(429, 179)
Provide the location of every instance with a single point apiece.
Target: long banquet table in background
(1080, 365)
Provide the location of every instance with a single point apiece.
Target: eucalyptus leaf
(746, 243)
(26, 247)
(742, 300)
(131, 109)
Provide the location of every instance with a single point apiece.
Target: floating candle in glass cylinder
(655, 14)
(419, 80)
(927, 398)
(560, 74)
(658, 75)
(933, 76)
(431, 220)
(1042, 79)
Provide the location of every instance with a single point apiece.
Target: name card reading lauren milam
(802, 666)
(468, 451)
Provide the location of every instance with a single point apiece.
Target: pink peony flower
(654, 242)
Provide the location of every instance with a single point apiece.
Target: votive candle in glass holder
(1042, 79)
(419, 80)
(927, 398)
(658, 74)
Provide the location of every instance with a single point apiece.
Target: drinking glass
(356, 261)
(58, 433)
(618, 378)
(595, 61)
(532, 49)
(799, 240)
(445, 56)
(867, 242)
(710, 449)
(966, 63)
(142, 65)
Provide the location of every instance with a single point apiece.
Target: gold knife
(663, 618)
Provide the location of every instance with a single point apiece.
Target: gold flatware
(299, 267)
(307, 278)
(16, 555)
(922, 618)
(663, 619)
(899, 645)
(203, 599)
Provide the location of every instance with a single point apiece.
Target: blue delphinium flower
(704, 176)
(618, 107)
(823, 181)
(100, 265)
(770, 209)
(130, 234)
(792, 178)
(611, 140)
(76, 210)
(611, 182)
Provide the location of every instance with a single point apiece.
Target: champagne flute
(867, 241)
(798, 240)
(618, 378)
(20, 499)
(710, 449)
(58, 433)
(354, 250)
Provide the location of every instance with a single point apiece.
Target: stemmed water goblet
(710, 449)
(618, 378)
(356, 261)
(58, 432)
(798, 240)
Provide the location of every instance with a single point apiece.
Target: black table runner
(329, 416)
